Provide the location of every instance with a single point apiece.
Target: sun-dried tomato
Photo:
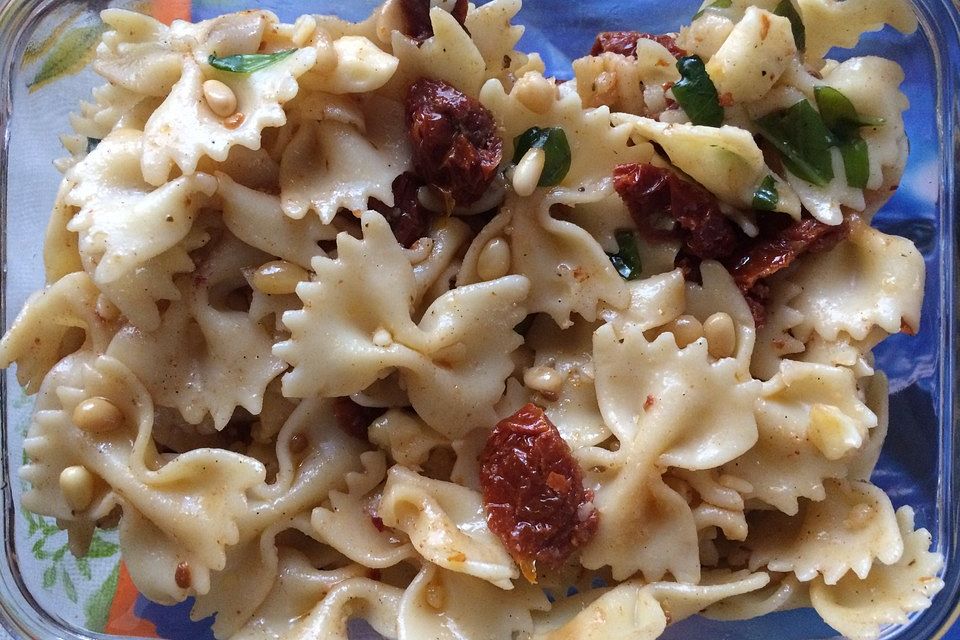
(657, 198)
(625, 43)
(354, 418)
(777, 248)
(416, 15)
(455, 143)
(665, 207)
(533, 491)
(409, 220)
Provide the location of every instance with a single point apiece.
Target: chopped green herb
(92, 143)
(803, 141)
(839, 114)
(766, 197)
(719, 4)
(696, 93)
(627, 259)
(856, 162)
(788, 11)
(247, 62)
(553, 141)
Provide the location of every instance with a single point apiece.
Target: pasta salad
(376, 320)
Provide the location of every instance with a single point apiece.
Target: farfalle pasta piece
(726, 160)
(359, 597)
(627, 84)
(330, 166)
(404, 437)
(846, 531)
(454, 363)
(869, 280)
(781, 594)
(799, 400)
(348, 524)
(775, 339)
(447, 525)
(139, 53)
(662, 399)
(445, 605)
(567, 269)
(840, 24)
(224, 363)
(40, 335)
(257, 219)
(858, 608)
(191, 502)
(718, 293)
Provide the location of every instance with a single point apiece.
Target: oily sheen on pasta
(376, 321)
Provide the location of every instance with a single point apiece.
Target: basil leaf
(766, 197)
(856, 162)
(787, 10)
(627, 259)
(839, 114)
(556, 149)
(803, 141)
(719, 4)
(92, 143)
(696, 93)
(247, 62)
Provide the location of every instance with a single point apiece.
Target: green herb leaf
(627, 259)
(49, 576)
(553, 141)
(719, 4)
(788, 11)
(839, 114)
(766, 197)
(803, 141)
(100, 548)
(68, 586)
(247, 62)
(856, 162)
(696, 93)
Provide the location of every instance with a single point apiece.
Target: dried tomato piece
(416, 14)
(656, 197)
(625, 43)
(409, 220)
(777, 249)
(455, 145)
(354, 418)
(533, 491)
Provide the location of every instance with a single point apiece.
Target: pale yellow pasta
(274, 352)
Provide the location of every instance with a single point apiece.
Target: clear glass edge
(21, 615)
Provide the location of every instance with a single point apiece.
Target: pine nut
(220, 98)
(279, 277)
(106, 309)
(494, 260)
(545, 379)
(528, 171)
(76, 483)
(98, 415)
(535, 92)
(686, 330)
(721, 335)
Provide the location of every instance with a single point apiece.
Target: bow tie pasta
(374, 320)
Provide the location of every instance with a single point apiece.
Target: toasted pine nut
(535, 92)
(494, 260)
(98, 415)
(721, 335)
(686, 330)
(546, 379)
(528, 171)
(76, 483)
(220, 98)
(279, 277)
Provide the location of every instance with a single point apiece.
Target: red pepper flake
(533, 491)
(354, 418)
(726, 99)
(625, 43)
(648, 403)
(906, 328)
(454, 140)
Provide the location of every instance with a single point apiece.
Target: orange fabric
(122, 620)
(166, 11)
